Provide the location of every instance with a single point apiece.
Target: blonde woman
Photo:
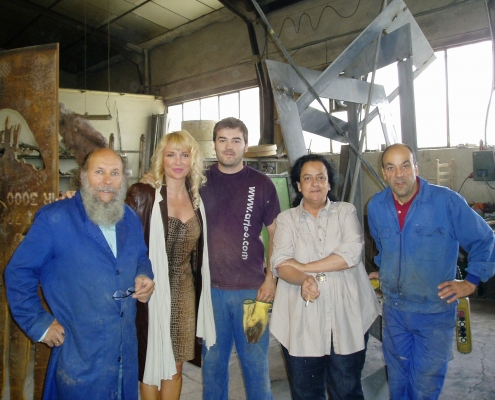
(174, 226)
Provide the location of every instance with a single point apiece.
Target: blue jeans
(310, 376)
(228, 313)
(417, 349)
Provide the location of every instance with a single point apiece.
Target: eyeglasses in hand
(119, 294)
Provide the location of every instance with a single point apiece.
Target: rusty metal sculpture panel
(28, 124)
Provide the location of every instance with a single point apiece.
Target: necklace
(320, 276)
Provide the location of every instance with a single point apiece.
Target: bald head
(396, 146)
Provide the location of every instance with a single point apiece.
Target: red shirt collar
(403, 209)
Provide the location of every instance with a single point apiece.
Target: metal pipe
(346, 177)
(490, 8)
(147, 82)
(447, 97)
(357, 169)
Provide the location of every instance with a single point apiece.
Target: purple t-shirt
(237, 206)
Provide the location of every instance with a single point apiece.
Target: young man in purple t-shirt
(238, 201)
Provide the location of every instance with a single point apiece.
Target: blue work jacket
(414, 261)
(68, 255)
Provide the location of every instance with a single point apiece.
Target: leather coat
(141, 197)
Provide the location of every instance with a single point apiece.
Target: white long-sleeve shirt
(347, 305)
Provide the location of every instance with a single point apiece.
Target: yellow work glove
(375, 283)
(256, 324)
(248, 306)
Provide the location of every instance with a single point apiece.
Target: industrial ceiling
(91, 32)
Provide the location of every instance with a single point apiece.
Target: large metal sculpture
(28, 94)
(393, 37)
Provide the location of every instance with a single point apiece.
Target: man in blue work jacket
(88, 254)
(418, 228)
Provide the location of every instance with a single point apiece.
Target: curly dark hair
(295, 176)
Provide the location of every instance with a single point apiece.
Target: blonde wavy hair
(180, 140)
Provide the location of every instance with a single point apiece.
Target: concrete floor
(470, 376)
(192, 384)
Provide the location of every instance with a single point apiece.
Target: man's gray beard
(101, 213)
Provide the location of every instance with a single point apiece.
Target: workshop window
(243, 104)
(439, 123)
(470, 84)
(442, 123)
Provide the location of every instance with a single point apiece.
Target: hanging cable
(319, 18)
(489, 192)
(108, 57)
(490, 186)
(428, 12)
(459, 191)
(488, 112)
(85, 55)
(298, 28)
(490, 4)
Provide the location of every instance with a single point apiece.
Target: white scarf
(206, 322)
(160, 362)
